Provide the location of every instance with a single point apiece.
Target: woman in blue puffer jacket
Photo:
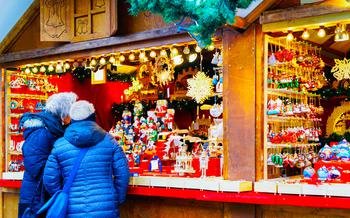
(100, 185)
(41, 130)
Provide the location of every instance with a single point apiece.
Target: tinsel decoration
(335, 137)
(122, 77)
(206, 15)
(327, 93)
(200, 87)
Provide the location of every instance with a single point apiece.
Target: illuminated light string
(178, 55)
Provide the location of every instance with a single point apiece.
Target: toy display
(154, 145)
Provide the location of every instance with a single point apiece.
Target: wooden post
(239, 56)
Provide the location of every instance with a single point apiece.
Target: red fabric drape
(102, 96)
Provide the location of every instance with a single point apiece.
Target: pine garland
(206, 16)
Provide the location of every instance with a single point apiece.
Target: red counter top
(244, 197)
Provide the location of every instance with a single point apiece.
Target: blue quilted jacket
(101, 183)
(41, 130)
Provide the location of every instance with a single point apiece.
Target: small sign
(98, 77)
(154, 165)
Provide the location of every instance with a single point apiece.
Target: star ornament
(200, 87)
(341, 69)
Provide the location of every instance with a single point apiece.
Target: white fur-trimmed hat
(81, 110)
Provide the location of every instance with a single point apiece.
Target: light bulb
(290, 36)
(93, 62)
(174, 51)
(163, 53)
(59, 68)
(35, 70)
(153, 54)
(305, 34)
(321, 32)
(132, 57)
(112, 60)
(192, 57)
(51, 68)
(121, 58)
(186, 50)
(102, 61)
(198, 49)
(211, 47)
(341, 33)
(42, 69)
(27, 70)
(142, 55)
(67, 66)
(178, 60)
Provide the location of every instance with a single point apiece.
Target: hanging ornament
(200, 87)
(164, 70)
(341, 69)
(186, 50)
(216, 111)
(153, 54)
(142, 55)
(174, 51)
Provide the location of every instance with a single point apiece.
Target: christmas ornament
(309, 172)
(164, 70)
(200, 87)
(341, 69)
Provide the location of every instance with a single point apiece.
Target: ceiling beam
(306, 16)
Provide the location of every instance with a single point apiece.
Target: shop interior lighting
(321, 32)
(174, 51)
(51, 68)
(305, 35)
(93, 62)
(27, 70)
(142, 55)
(102, 61)
(59, 68)
(153, 54)
(290, 36)
(121, 58)
(211, 47)
(192, 57)
(66, 65)
(112, 60)
(132, 57)
(42, 69)
(35, 69)
(198, 49)
(186, 50)
(163, 53)
(178, 60)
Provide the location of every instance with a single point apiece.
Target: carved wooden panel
(54, 20)
(92, 19)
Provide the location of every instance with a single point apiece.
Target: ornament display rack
(280, 121)
(15, 154)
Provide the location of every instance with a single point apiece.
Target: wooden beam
(303, 11)
(128, 40)
(16, 30)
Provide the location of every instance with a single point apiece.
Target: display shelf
(274, 118)
(15, 153)
(12, 175)
(15, 133)
(16, 115)
(291, 145)
(288, 93)
(27, 96)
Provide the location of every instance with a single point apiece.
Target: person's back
(94, 193)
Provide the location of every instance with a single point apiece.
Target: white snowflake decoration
(341, 69)
(200, 87)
